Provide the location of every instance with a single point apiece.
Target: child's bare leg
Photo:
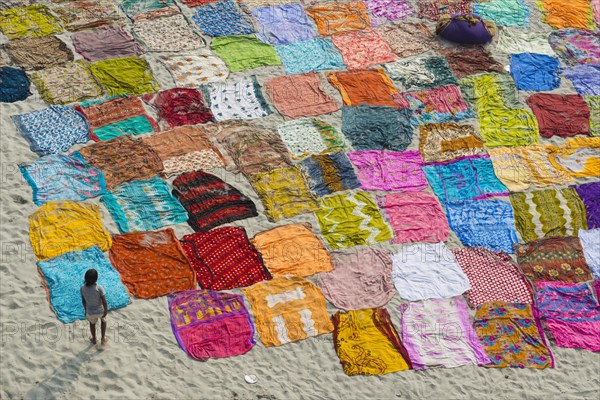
(93, 331)
(103, 331)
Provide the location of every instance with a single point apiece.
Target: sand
(42, 358)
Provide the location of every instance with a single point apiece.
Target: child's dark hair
(91, 276)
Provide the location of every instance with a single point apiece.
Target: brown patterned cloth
(449, 140)
(408, 39)
(123, 159)
(34, 53)
(466, 61)
(555, 258)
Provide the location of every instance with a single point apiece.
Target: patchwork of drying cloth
(323, 56)
(361, 49)
(518, 168)
(288, 309)
(329, 173)
(62, 177)
(184, 149)
(143, 205)
(123, 159)
(578, 157)
(573, 14)
(590, 196)
(415, 217)
(292, 250)
(367, 343)
(485, 223)
(361, 278)
(283, 24)
(284, 193)
(504, 12)
(536, 72)
(389, 170)
(590, 244)
(66, 83)
(585, 79)
(35, 53)
(435, 105)
(351, 219)
(242, 52)
(224, 258)
(86, 14)
(434, 9)
(59, 227)
(408, 39)
(222, 18)
(31, 20)
(560, 114)
(448, 140)
(576, 46)
(464, 178)
(550, 212)
(377, 127)
(116, 116)
(63, 277)
(556, 258)
(427, 271)
(337, 17)
(298, 96)
(209, 324)
(193, 70)
(438, 333)
(172, 33)
(210, 202)
(511, 335)
(52, 130)
(382, 11)
(303, 137)
(493, 276)
(421, 72)
(238, 98)
(179, 106)
(366, 86)
(152, 264)
(571, 313)
(470, 60)
(127, 75)
(14, 85)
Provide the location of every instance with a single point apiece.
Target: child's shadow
(62, 378)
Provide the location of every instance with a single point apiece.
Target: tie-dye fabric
(209, 324)
(33, 20)
(337, 17)
(244, 52)
(329, 173)
(193, 70)
(35, 53)
(365, 86)
(143, 205)
(303, 137)
(52, 130)
(572, 14)
(361, 49)
(590, 196)
(377, 127)
(511, 335)
(239, 98)
(351, 286)
(127, 75)
(323, 56)
(67, 83)
(283, 24)
(590, 243)
(172, 33)
(550, 212)
(421, 72)
(105, 42)
(415, 217)
(504, 12)
(284, 193)
(222, 18)
(464, 178)
(62, 177)
(571, 313)
(435, 105)
(63, 277)
(14, 85)
(351, 219)
(179, 106)
(408, 39)
(483, 223)
(389, 170)
(585, 79)
(381, 11)
(448, 140)
(576, 46)
(493, 276)
(535, 72)
(560, 114)
(424, 333)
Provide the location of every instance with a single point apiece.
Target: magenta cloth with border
(389, 170)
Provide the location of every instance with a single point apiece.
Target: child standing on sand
(94, 304)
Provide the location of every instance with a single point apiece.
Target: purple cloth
(389, 170)
(105, 42)
(460, 30)
(382, 11)
(590, 194)
(283, 24)
(585, 78)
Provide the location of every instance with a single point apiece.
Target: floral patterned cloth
(172, 33)
(389, 170)
(337, 17)
(329, 173)
(52, 130)
(243, 52)
(576, 46)
(222, 18)
(236, 98)
(448, 140)
(33, 20)
(127, 75)
(303, 137)
(62, 177)
(557, 258)
(179, 106)
(512, 336)
(382, 11)
(35, 53)
(67, 83)
(283, 24)
(323, 56)
(193, 70)
(361, 49)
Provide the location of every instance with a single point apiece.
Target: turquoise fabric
(504, 12)
(323, 56)
(131, 126)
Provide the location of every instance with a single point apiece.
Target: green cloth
(593, 103)
(544, 213)
(243, 52)
(351, 219)
(35, 20)
(127, 75)
(502, 120)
